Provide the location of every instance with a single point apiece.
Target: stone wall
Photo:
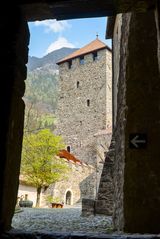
(141, 178)
(104, 198)
(136, 179)
(14, 55)
(77, 122)
(76, 183)
(103, 139)
(108, 90)
(119, 81)
(116, 62)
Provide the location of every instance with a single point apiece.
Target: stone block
(88, 207)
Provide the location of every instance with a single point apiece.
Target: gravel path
(60, 220)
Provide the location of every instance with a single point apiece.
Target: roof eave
(69, 59)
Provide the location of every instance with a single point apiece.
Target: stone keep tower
(84, 109)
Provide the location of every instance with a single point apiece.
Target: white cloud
(59, 43)
(53, 25)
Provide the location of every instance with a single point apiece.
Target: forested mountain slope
(42, 87)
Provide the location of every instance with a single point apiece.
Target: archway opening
(68, 198)
(83, 186)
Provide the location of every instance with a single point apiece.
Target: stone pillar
(139, 113)
(14, 55)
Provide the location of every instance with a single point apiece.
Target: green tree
(40, 165)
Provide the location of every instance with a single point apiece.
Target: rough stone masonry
(84, 109)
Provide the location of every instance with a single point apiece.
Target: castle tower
(84, 112)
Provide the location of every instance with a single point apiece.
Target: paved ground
(60, 220)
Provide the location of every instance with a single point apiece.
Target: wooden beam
(71, 9)
(123, 6)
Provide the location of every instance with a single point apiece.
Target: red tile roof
(91, 47)
(70, 157)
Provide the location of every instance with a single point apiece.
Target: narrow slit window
(69, 149)
(88, 102)
(77, 84)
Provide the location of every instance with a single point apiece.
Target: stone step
(45, 235)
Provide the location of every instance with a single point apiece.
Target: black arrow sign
(137, 141)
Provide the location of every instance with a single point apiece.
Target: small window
(69, 64)
(77, 84)
(69, 149)
(95, 56)
(81, 60)
(88, 102)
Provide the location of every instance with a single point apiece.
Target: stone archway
(68, 198)
(14, 51)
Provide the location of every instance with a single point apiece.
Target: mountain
(42, 88)
(49, 61)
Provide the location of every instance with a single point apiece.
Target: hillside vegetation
(42, 89)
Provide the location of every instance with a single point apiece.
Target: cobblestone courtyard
(60, 220)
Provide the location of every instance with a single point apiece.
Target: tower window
(95, 56)
(69, 149)
(69, 64)
(88, 102)
(81, 60)
(77, 84)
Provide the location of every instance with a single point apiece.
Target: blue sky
(50, 35)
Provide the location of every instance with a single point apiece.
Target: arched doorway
(68, 198)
